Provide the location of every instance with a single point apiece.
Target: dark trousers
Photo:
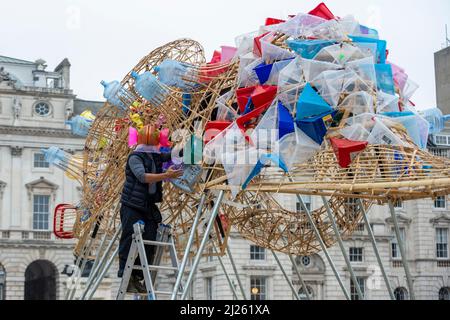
(129, 216)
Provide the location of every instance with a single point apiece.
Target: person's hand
(173, 174)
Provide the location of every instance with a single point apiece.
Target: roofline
(18, 60)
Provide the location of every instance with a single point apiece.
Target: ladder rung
(166, 293)
(152, 267)
(157, 243)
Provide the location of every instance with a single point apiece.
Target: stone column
(16, 187)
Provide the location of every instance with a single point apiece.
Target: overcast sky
(105, 39)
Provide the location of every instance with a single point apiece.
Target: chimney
(64, 69)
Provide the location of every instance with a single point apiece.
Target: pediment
(441, 219)
(41, 183)
(401, 218)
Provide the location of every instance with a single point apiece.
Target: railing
(397, 264)
(443, 263)
(444, 153)
(48, 90)
(40, 235)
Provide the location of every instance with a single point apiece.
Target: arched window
(444, 294)
(40, 281)
(302, 295)
(2, 283)
(401, 294)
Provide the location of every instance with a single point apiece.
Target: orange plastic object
(213, 128)
(345, 150)
(323, 12)
(64, 221)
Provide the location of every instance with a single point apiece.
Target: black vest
(136, 194)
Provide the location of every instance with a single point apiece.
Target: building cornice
(40, 92)
(30, 131)
(443, 219)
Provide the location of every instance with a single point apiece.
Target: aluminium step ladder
(164, 240)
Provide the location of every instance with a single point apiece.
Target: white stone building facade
(34, 105)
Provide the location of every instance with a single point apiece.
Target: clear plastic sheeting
(297, 148)
(358, 103)
(340, 54)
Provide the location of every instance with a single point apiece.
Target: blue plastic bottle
(54, 156)
(112, 92)
(436, 119)
(171, 73)
(149, 87)
(80, 126)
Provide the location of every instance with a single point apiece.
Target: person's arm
(138, 169)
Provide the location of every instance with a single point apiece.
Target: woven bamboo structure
(379, 174)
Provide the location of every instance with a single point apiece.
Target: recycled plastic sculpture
(309, 106)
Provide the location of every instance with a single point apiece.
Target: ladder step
(157, 243)
(152, 267)
(166, 293)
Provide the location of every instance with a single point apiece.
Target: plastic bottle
(149, 87)
(80, 126)
(54, 155)
(171, 72)
(112, 92)
(436, 119)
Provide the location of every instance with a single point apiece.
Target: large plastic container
(316, 127)
(308, 49)
(382, 135)
(385, 78)
(323, 12)
(55, 156)
(355, 132)
(112, 93)
(170, 72)
(436, 119)
(346, 150)
(79, 125)
(381, 46)
(311, 104)
(149, 87)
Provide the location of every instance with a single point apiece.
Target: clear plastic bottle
(436, 119)
(148, 86)
(80, 126)
(112, 93)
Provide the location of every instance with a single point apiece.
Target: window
(444, 294)
(209, 288)
(362, 286)
(356, 254)
(307, 201)
(401, 294)
(39, 161)
(42, 109)
(440, 202)
(442, 243)
(395, 250)
(257, 253)
(258, 288)
(302, 295)
(442, 140)
(306, 261)
(2, 283)
(41, 212)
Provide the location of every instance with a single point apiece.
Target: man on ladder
(141, 191)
